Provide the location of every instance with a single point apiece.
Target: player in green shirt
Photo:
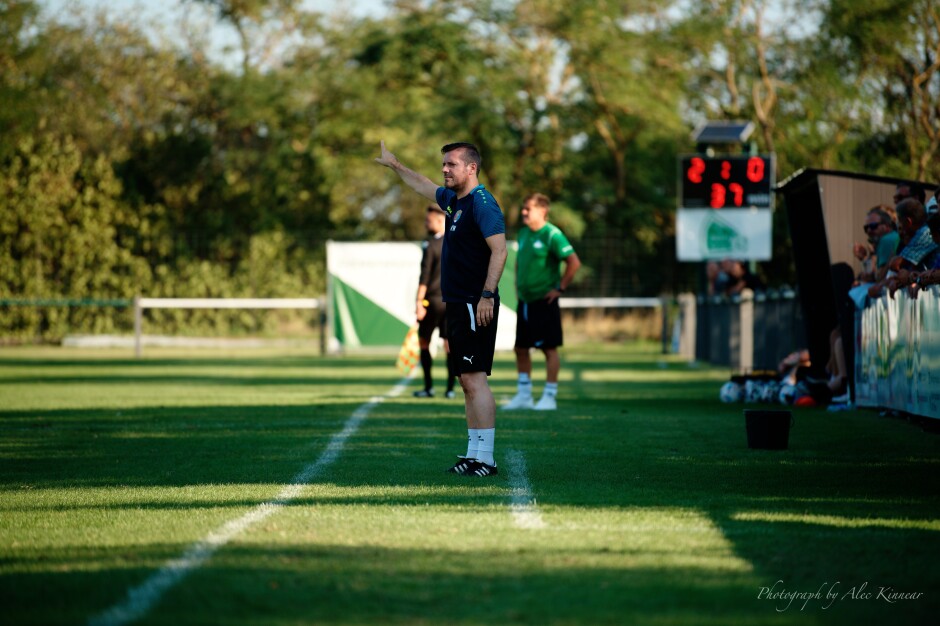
(539, 283)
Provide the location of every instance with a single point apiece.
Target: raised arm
(420, 183)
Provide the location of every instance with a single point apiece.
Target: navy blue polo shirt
(466, 257)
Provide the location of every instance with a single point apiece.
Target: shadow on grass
(853, 501)
(338, 584)
(365, 585)
(164, 446)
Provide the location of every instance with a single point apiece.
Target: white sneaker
(546, 403)
(519, 401)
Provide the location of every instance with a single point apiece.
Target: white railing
(610, 303)
(140, 304)
(213, 303)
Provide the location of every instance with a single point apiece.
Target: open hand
(387, 159)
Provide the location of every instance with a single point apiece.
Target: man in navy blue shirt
(473, 259)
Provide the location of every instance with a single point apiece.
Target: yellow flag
(410, 351)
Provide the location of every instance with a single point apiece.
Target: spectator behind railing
(918, 249)
(716, 277)
(905, 190)
(933, 205)
(740, 277)
(881, 228)
(931, 276)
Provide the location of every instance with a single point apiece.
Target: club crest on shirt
(538, 245)
(456, 219)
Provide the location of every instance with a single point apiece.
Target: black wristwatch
(487, 294)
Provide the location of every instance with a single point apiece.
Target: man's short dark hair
(915, 191)
(539, 199)
(913, 210)
(470, 151)
(433, 208)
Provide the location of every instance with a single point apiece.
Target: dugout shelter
(825, 213)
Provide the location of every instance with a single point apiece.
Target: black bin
(768, 430)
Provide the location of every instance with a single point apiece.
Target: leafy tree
(893, 48)
(268, 31)
(163, 169)
(59, 214)
(19, 56)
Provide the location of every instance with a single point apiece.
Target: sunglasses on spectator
(870, 227)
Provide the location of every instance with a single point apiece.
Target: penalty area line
(143, 597)
(525, 512)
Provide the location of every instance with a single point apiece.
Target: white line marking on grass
(525, 513)
(143, 597)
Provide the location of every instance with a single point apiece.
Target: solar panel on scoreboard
(723, 132)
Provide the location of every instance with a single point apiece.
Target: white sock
(486, 438)
(473, 440)
(551, 389)
(524, 385)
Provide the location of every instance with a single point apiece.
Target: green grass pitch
(651, 508)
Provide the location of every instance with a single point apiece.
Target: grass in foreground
(655, 510)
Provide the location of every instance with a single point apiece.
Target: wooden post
(688, 325)
(746, 344)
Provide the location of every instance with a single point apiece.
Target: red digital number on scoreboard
(718, 196)
(696, 169)
(755, 169)
(726, 182)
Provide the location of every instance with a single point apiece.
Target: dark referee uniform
(432, 248)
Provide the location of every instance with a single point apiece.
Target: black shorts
(434, 318)
(538, 325)
(471, 345)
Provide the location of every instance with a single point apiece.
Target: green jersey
(538, 261)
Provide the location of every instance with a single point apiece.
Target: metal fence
(751, 332)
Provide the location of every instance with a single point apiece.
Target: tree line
(135, 164)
